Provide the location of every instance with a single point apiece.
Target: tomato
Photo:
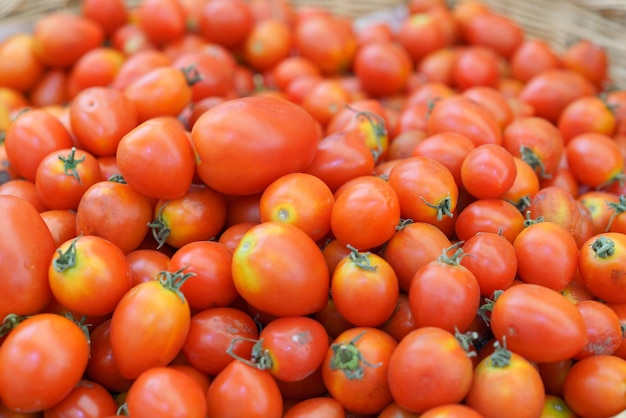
(268, 43)
(383, 68)
(161, 20)
(500, 33)
(364, 279)
(588, 59)
(30, 137)
(365, 201)
(137, 65)
(116, 212)
(88, 399)
(418, 385)
(325, 99)
(61, 223)
(140, 341)
(556, 407)
(603, 329)
(401, 321)
(489, 215)
(60, 350)
(461, 115)
(226, 22)
(24, 189)
(602, 266)
(538, 323)
(551, 90)
(586, 114)
(89, 275)
(100, 117)
(146, 146)
(165, 392)
(438, 65)
(97, 67)
(20, 68)
(532, 57)
(617, 222)
(420, 34)
(595, 159)
(456, 410)
(603, 207)
(216, 67)
(27, 249)
(110, 15)
(488, 171)
(355, 369)
(538, 246)
(393, 410)
(315, 407)
(555, 204)
(51, 89)
(476, 66)
(521, 391)
(244, 391)
(592, 387)
(62, 37)
(526, 184)
(287, 144)
(553, 375)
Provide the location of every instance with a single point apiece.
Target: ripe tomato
(161, 20)
(538, 323)
(165, 392)
(84, 264)
(216, 68)
(355, 369)
(588, 59)
(244, 391)
(365, 201)
(162, 144)
(521, 392)
(532, 57)
(488, 171)
(60, 350)
(110, 15)
(61, 223)
(27, 248)
(420, 34)
(325, 99)
(602, 266)
(604, 330)
(595, 159)
(316, 407)
(500, 33)
(364, 279)
(448, 148)
(97, 67)
(24, 189)
(474, 66)
(226, 22)
(489, 215)
(88, 399)
(555, 204)
(140, 341)
(145, 264)
(537, 246)
(617, 223)
(587, 114)
(383, 68)
(591, 387)
(20, 67)
(268, 43)
(296, 282)
(418, 385)
(287, 144)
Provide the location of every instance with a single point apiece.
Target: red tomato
(296, 282)
(591, 387)
(588, 59)
(87, 399)
(325, 99)
(145, 264)
(61, 223)
(60, 350)
(109, 14)
(521, 390)
(138, 64)
(268, 43)
(602, 266)
(226, 22)
(595, 159)
(364, 279)
(20, 67)
(604, 330)
(383, 68)
(216, 67)
(489, 215)
(474, 66)
(603, 207)
(494, 31)
(365, 200)
(355, 369)
(587, 114)
(24, 189)
(420, 34)
(165, 392)
(244, 391)
(140, 341)
(162, 144)
(488, 171)
(555, 204)
(27, 248)
(316, 407)
(538, 323)
(161, 20)
(532, 57)
(98, 67)
(288, 143)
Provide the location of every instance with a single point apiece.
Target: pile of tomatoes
(240, 208)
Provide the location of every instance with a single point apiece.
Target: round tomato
(602, 266)
(488, 171)
(429, 368)
(383, 68)
(60, 350)
(449, 148)
(88, 399)
(281, 134)
(20, 68)
(595, 159)
(61, 223)
(226, 22)
(316, 407)
(604, 331)
(532, 57)
(489, 215)
(538, 323)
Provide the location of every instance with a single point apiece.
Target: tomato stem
(530, 221)
(456, 257)
(487, 306)
(603, 247)
(531, 158)
(501, 356)
(522, 203)
(467, 341)
(348, 358)
(174, 280)
(117, 178)
(192, 75)
(160, 230)
(67, 259)
(260, 356)
(617, 178)
(10, 321)
(617, 208)
(403, 223)
(378, 127)
(443, 207)
(361, 260)
(70, 163)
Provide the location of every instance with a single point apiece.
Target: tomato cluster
(240, 208)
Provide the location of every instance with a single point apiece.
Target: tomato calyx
(361, 260)
(617, 178)
(10, 321)
(531, 158)
(443, 207)
(174, 280)
(603, 247)
(348, 358)
(618, 208)
(160, 230)
(117, 178)
(531, 221)
(70, 163)
(192, 75)
(522, 203)
(404, 223)
(485, 309)
(501, 356)
(66, 260)
(81, 324)
(466, 340)
(260, 357)
(377, 124)
(457, 254)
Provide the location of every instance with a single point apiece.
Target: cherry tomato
(316, 407)
(588, 59)
(595, 159)
(24, 189)
(489, 215)
(20, 68)
(88, 399)
(476, 65)
(161, 20)
(500, 33)
(532, 57)
(604, 330)
(383, 68)
(268, 43)
(602, 267)
(488, 171)
(109, 14)
(226, 22)
(555, 204)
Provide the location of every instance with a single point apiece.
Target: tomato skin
(140, 341)
(418, 385)
(499, 33)
(27, 248)
(61, 352)
(88, 399)
(603, 271)
(226, 23)
(316, 407)
(383, 68)
(97, 278)
(532, 57)
(288, 143)
(538, 323)
(366, 393)
(603, 329)
(592, 387)
(595, 159)
(165, 392)
(488, 171)
(20, 68)
(296, 282)
(244, 391)
(489, 215)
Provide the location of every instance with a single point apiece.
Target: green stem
(160, 230)
(467, 341)
(617, 208)
(501, 356)
(485, 309)
(404, 222)
(348, 358)
(70, 163)
(117, 178)
(532, 159)
(260, 356)
(456, 257)
(361, 260)
(443, 207)
(603, 247)
(174, 280)
(67, 259)
(10, 321)
(530, 221)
